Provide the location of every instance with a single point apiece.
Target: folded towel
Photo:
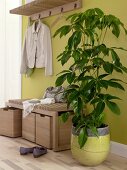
(47, 101)
(28, 105)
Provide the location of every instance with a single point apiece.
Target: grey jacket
(37, 50)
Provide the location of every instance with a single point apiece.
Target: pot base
(94, 152)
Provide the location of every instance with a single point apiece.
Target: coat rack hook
(50, 12)
(39, 16)
(62, 9)
(75, 6)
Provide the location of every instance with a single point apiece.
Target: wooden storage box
(47, 131)
(28, 127)
(10, 122)
(44, 130)
(64, 133)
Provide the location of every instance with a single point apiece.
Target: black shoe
(25, 151)
(38, 151)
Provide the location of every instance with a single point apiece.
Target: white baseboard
(119, 149)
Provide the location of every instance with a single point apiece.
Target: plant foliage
(93, 64)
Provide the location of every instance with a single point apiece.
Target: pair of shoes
(37, 151)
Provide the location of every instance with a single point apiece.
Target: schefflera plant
(94, 61)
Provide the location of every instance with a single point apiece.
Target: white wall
(10, 52)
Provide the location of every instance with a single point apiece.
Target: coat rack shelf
(45, 8)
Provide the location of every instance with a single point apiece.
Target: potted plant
(89, 78)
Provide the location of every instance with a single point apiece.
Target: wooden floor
(10, 159)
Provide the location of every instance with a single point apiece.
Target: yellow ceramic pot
(95, 150)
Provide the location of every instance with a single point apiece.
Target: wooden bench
(43, 126)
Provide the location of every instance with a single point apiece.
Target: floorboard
(10, 159)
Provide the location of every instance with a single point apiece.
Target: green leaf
(96, 100)
(73, 96)
(89, 96)
(104, 49)
(110, 97)
(113, 107)
(124, 29)
(76, 55)
(65, 116)
(108, 67)
(90, 34)
(100, 107)
(97, 61)
(57, 32)
(115, 58)
(116, 29)
(79, 106)
(77, 39)
(119, 48)
(118, 80)
(63, 31)
(82, 77)
(103, 83)
(64, 71)
(94, 130)
(124, 68)
(60, 80)
(99, 120)
(103, 76)
(74, 40)
(116, 85)
(89, 85)
(82, 138)
(117, 69)
(70, 77)
(75, 119)
(99, 12)
(65, 57)
(59, 56)
(73, 86)
(73, 17)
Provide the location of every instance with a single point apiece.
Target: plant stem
(104, 35)
(100, 37)
(83, 41)
(82, 114)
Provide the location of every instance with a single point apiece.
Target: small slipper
(39, 151)
(25, 151)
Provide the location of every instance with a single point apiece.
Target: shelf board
(38, 6)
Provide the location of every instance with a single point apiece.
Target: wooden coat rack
(46, 8)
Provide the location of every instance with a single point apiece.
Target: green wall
(35, 86)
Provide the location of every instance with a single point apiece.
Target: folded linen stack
(29, 105)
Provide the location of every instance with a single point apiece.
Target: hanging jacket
(37, 50)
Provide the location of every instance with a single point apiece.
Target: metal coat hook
(50, 12)
(62, 9)
(39, 16)
(75, 6)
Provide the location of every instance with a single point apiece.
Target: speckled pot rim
(101, 131)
